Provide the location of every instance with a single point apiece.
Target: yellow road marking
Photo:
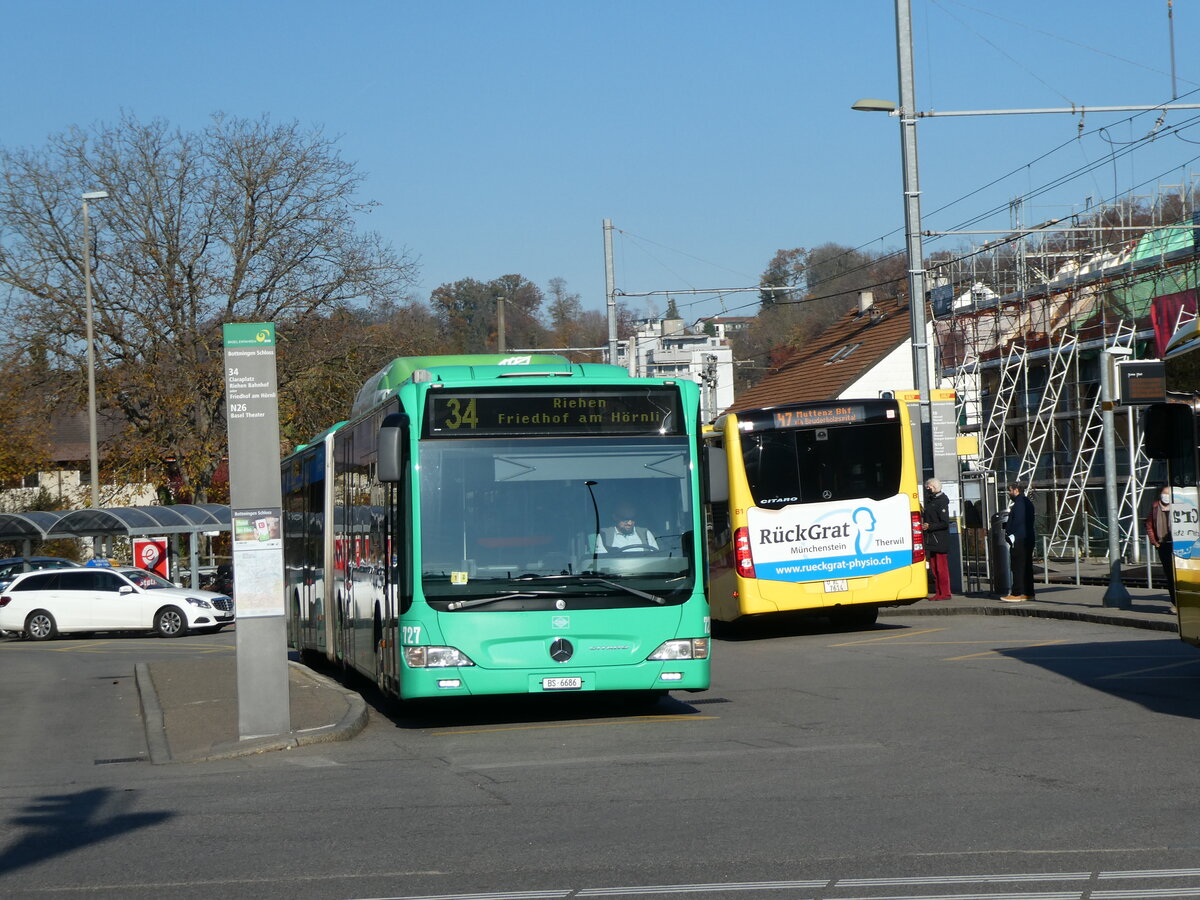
(1135, 672)
(636, 720)
(1000, 649)
(889, 637)
(135, 646)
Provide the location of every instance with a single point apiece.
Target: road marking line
(1151, 873)
(1001, 649)
(964, 879)
(1013, 895)
(670, 756)
(635, 720)
(889, 637)
(702, 888)
(1136, 672)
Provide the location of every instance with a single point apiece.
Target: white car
(51, 602)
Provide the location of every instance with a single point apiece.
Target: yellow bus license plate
(838, 584)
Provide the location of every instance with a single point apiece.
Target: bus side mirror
(1167, 427)
(718, 475)
(393, 434)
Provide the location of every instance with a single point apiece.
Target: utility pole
(610, 292)
(912, 228)
(500, 325)
(93, 443)
(1116, 596)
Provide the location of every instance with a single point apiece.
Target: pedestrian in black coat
(1019, 528)
(935, 524)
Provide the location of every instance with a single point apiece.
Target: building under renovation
(1020, 335)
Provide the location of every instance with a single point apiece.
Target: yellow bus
(823, 511)
(1170, 433)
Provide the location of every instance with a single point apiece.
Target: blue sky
(498, 135)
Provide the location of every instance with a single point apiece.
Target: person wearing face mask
(1158, 529)
(935, 523)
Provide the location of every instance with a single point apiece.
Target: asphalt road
(932, 757)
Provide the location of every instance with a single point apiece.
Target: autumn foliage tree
(815, 287)
(243, 220)
(23, 421)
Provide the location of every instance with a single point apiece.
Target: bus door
(395, 474)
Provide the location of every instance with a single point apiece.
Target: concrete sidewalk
(1150, 609)
(191, 713)
(190, 710)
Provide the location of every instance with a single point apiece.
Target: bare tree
(331, 359)
(245, 220)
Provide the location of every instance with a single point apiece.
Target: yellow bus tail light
(741, 551)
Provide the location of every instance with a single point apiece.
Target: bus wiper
(590, 578)
(510, 595)
(624, 587)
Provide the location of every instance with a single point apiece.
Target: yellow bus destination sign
(816, 416)
(481, 413)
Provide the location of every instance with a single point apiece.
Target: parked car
(14, 566)
(47, 603)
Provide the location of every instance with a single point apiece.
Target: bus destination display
(458, 414)
(809, 417)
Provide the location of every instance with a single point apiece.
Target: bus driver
(625, 535)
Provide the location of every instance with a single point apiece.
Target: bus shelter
(102, 525)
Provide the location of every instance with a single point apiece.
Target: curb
(152, 715)
(1035, 612)
(354, 720)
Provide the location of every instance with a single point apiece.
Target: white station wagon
(51, 602)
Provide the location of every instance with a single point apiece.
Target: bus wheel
(855, 617)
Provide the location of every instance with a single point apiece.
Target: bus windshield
(811, 465)
(523, 523)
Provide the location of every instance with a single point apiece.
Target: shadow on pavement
(57, 824)
(790, 624)
(514, 710)
(1161, 675)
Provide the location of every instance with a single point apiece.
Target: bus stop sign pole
(256, 504)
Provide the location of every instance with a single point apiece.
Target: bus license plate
(562, 684)
(838, 584)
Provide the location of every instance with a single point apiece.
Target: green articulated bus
(503, 525)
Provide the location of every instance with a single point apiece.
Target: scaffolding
(1019, 342)
(1072, 507)
(1012, 375)
(1062, 360)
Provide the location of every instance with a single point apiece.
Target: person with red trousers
(935, 523)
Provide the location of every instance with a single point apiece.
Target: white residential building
(666, 348)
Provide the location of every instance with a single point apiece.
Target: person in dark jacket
(1021, 537)
(935, 523)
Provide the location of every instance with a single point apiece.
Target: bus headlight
(685, 648)
(435, 657)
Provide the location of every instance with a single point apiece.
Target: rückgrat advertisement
(839, 539)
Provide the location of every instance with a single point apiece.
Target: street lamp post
(91, 348)
(912, 219)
